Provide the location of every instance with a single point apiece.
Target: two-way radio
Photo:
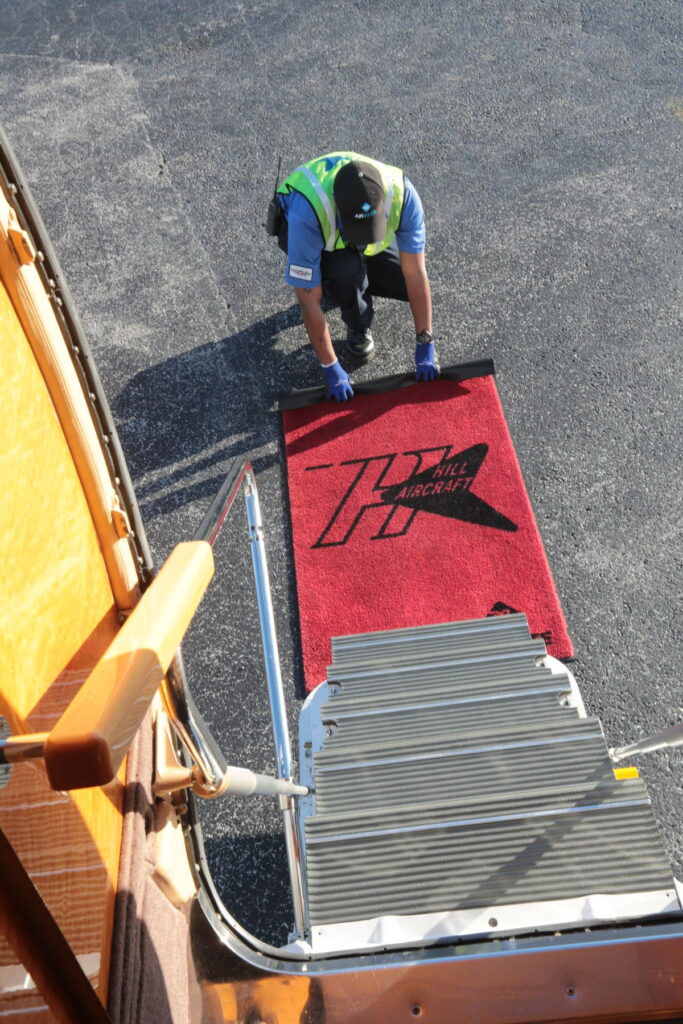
(274, 215)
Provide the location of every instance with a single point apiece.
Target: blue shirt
(306, 243)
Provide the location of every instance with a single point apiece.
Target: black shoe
(361, 344)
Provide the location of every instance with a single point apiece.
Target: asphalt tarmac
(545, 141)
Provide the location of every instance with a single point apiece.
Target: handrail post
(671, 737)
(276, 693)
(268, 635)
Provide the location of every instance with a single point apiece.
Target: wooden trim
(33, 934)
(38, 320)
(92, 737)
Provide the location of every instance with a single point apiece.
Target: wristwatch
(424, 337)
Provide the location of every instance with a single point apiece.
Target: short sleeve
(411, 234)
(305, 243)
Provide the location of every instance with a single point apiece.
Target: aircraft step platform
(461, 790)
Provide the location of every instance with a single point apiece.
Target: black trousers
(350, 280)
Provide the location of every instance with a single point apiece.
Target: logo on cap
(367, 211)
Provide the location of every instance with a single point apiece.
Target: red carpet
(408, 507)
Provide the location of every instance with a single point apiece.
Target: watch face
(424, 337)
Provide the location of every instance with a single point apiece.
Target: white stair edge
(396, 931)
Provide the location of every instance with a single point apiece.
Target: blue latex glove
(338, 383)
(426, 365)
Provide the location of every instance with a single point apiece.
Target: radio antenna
(277, 176)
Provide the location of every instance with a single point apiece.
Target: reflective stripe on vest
(329, 209)
(319, 191)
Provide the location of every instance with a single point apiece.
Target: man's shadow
(181, 421)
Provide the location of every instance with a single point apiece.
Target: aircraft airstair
(451, 786)
(459, 789)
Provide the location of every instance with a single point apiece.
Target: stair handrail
(241, 475)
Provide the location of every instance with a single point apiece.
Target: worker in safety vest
(353, 228)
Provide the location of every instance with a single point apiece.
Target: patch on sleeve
(303, 273)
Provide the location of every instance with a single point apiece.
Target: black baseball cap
(359, 195)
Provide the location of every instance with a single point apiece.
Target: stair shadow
(494, 889)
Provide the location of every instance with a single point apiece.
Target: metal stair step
(474, 650)
(454, 809)
(442, 744)
(557, 856)
(452, 680)
(473, 775)
(495, 624)
(455, 717)
(381, 648)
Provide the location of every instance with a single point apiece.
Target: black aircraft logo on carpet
(443, 488)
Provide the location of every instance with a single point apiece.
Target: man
(353, 228)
